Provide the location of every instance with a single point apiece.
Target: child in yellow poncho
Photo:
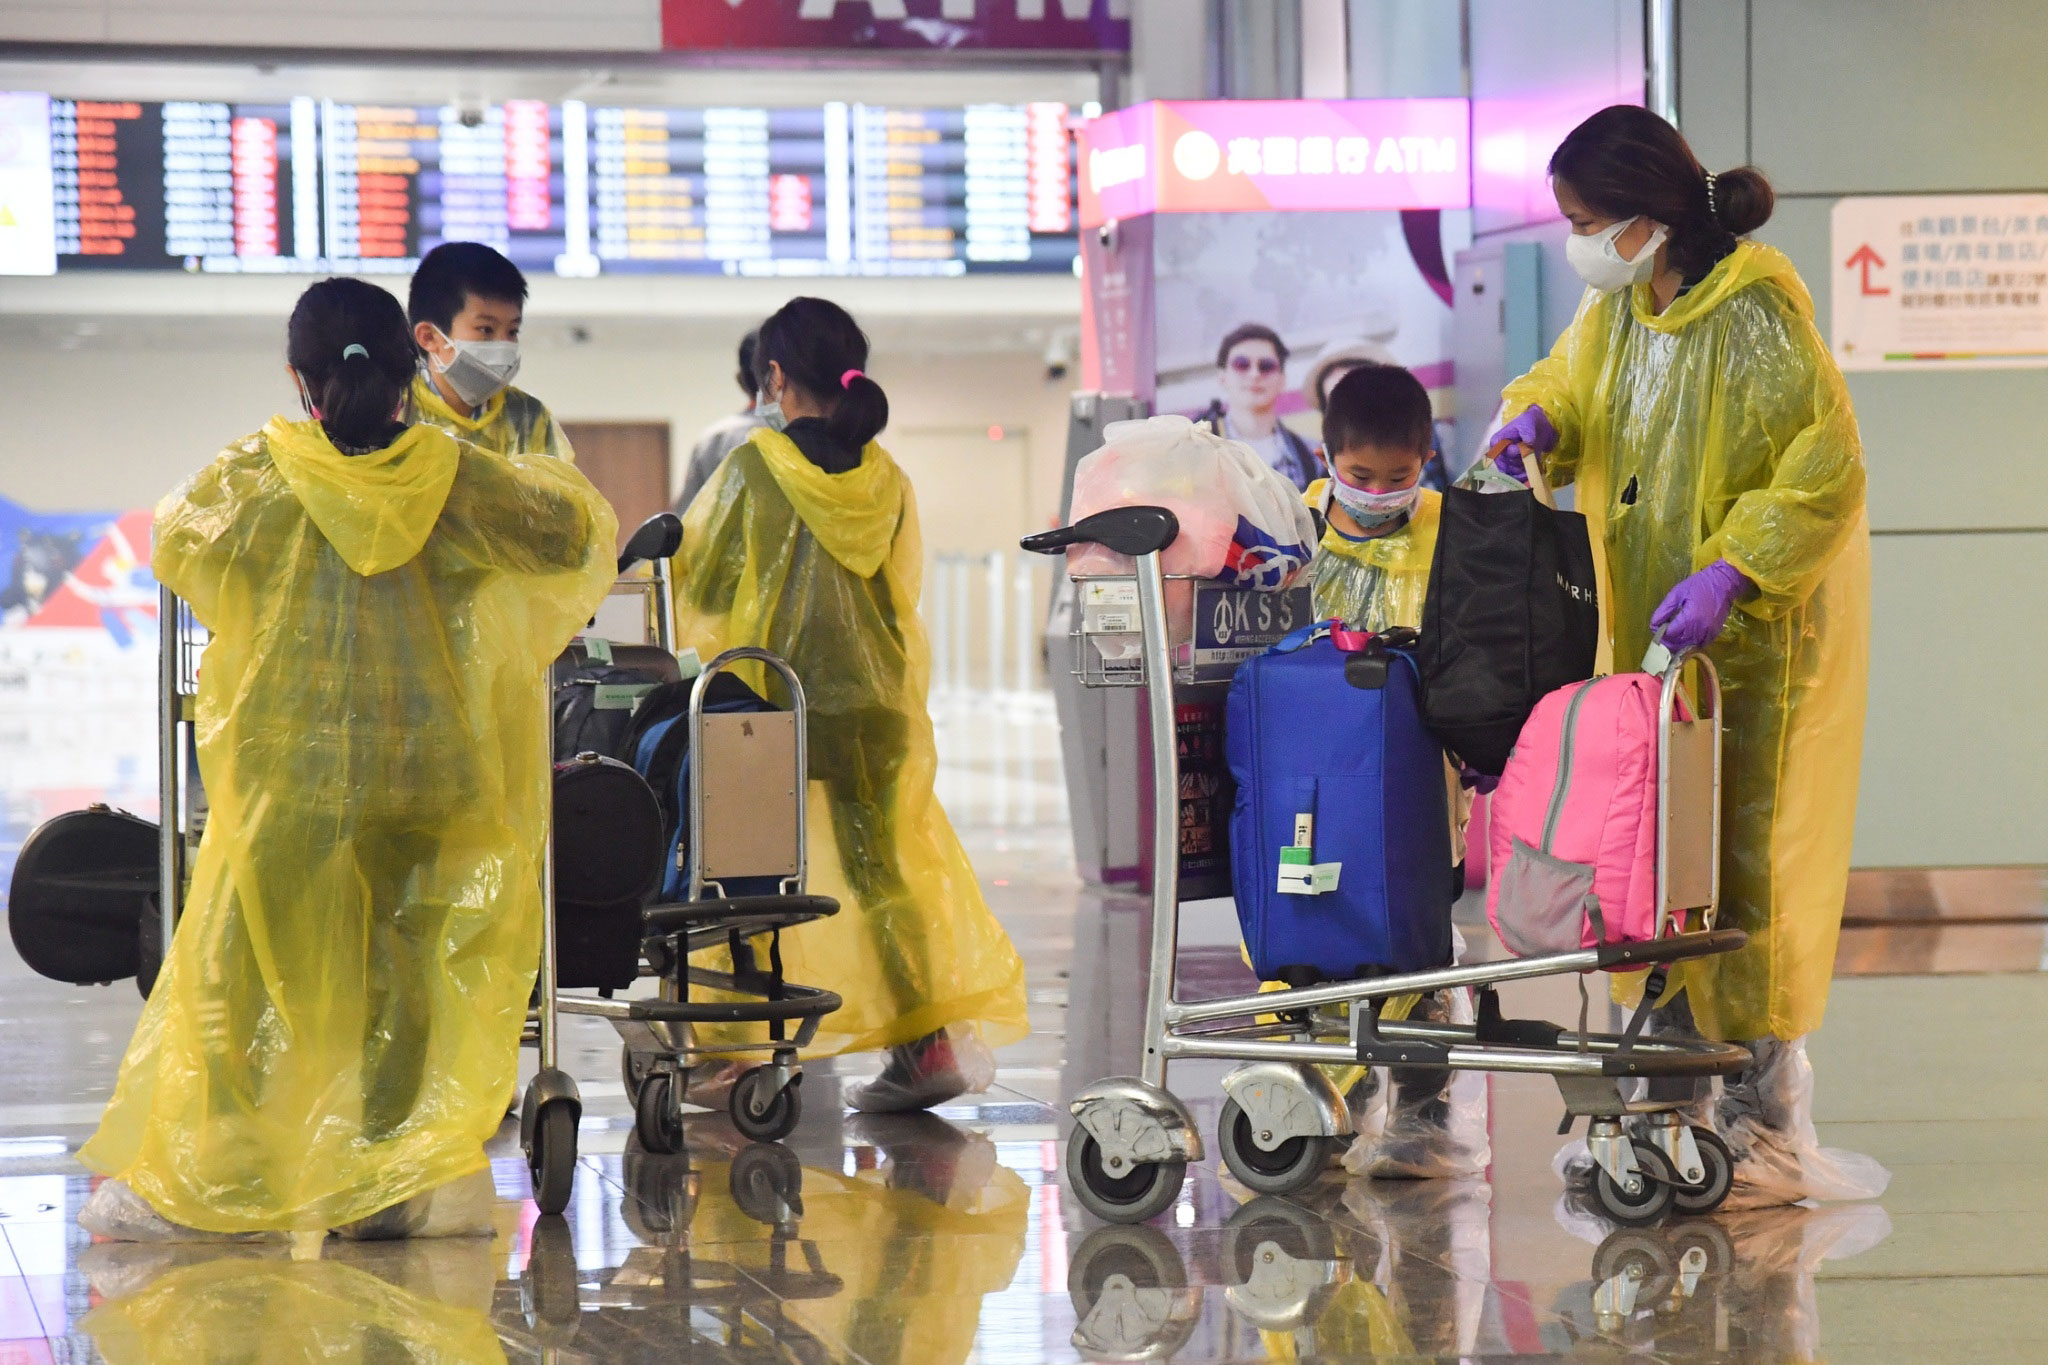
(337, 1024)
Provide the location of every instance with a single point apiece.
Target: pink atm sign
(1245, 156)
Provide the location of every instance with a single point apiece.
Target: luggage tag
(1656, 659)
(619, 696)
(596, 648)
(1300, 874)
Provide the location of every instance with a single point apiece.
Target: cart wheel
(762, 1116)
(1629, 1254)
(1141, 1255)
(1715, 1253)
(767, 1183)
(1647, 1204)
(552, 1157)
(661, 1195)
(1706, 1196)
(634, 1069)
(1304, 1236)
(548, 1289)
(1145, 1191)
(654, 1115)
(1285, 1169)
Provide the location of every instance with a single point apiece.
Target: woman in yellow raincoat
(337, 1023)
(1717, 460)
(806, 543)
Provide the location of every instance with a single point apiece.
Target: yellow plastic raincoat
(511, 422)
(824, 570)
(1377, 583)
(337, 1024)
(913, 1270)
(280, 1310)
(1722, 430)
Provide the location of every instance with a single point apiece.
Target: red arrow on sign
(1866, 258)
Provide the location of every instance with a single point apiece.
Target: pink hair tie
(846, 380)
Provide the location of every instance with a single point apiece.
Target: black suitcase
(83, 895)
(1513, 614)
(608, 851)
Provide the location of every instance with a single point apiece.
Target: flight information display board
(398, 180)
(164, 186)
(710, 189)
(988, 185)
(311, 185)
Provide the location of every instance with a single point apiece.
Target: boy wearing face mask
(466, 306)
(1379, 522)
(1372, 572)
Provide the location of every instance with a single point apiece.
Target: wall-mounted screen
(313, 185)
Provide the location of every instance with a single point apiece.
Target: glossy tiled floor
(949, 1238)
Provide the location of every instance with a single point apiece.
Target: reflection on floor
(944, 1239)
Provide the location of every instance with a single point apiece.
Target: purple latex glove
(1692, 614)
(1530, 431)
(1471, 779)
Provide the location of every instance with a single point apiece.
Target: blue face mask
(768, 412)
(1375, 512)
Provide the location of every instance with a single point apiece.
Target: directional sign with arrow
(1938, 281)
(1866, 257)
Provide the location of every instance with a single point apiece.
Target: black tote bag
(1513, 614)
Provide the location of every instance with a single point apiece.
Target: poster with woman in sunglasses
(1252, 361)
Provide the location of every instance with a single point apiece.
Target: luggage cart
(732, 837)
(1283, 1119)
(181, 800)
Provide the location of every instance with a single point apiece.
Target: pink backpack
(1572, 838)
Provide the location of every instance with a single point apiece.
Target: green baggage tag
(619, 696)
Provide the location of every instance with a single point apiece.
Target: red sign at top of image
(933, 25)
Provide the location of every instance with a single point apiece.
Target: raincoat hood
(1750, 263)
(437, 410)
(511, 421)
(853, 515)
(378, 509)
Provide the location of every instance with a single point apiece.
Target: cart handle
(1132, 531)
(659, 537)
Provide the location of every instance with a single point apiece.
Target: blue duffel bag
(1340, 798)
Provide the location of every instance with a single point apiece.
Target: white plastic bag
(1240, 520)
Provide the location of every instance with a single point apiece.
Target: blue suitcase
(1345, 762)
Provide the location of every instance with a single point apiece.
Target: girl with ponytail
(1717, 460)
(337, 1022)
(806, 543)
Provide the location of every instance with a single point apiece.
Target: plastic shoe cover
(1430, 1244)
(460, 1208)
(929, 1156)
(1765, 1115)
(937, 1067)
(1767, 1259)
(119, 1214)
(1766, 1118)
(1433, 1126)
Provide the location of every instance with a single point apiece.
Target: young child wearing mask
(1372, 572)
(466, 306)
(1379, 534)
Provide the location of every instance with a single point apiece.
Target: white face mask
(479, 369)
(1601, 264)
(1375, 512)
(768, 412)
